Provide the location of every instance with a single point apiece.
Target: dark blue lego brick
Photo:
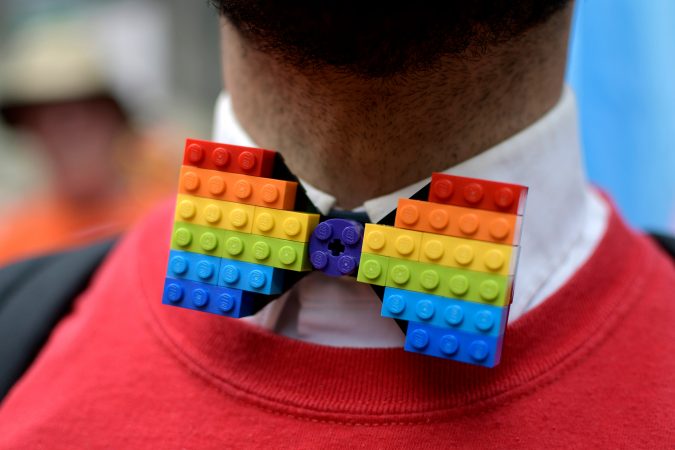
(444, 312)
(455, 345)
(251, 277)
(208, 298)
(193, 267)
(335, 247)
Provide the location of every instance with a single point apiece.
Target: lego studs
(335, 247)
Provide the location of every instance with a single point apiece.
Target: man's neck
(359, 138)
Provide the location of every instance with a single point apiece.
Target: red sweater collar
(295, 377)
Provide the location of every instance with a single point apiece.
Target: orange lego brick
(229, 158)
(456, 221)
(232, 187)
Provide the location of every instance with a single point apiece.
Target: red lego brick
(229, 158)
(477, 193)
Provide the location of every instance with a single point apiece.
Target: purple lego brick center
(335, 247)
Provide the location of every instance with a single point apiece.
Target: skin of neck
(358, 138)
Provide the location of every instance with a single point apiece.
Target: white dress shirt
(563, 222)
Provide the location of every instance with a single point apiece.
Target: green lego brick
(480, 287)
(197, 239)
(373, 269)
(279, 253)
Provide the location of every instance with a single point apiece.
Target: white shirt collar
(564, 219)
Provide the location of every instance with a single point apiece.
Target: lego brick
(457, 221)
(335, 247)
(238, 188)
(373, 269)
(389, 241)
(244, 247)
(289, 225)
(250, 277)
(477, 193)
(207, 298)
(193, 267)
(229, 158)
(224, 272)
(468, 254)
(448, 282)
(455, 345)
(444, 312)
(197, 239)
(267, 251)
(214, 213)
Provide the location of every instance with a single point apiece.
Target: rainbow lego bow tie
(245, 232)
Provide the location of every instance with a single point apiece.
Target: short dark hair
(381, 38)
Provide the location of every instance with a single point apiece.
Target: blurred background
(97, 97)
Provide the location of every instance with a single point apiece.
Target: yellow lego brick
(468, 254)
(214, 213)
(393, 242)
(289, 225)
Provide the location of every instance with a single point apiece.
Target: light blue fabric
(622, 67)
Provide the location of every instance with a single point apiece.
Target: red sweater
(593, 366)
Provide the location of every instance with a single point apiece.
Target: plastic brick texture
(289, 225)
(335, 247)
(214, 213)
(373, 269)
(229, 158)
(267, 251)
(193, 267)
(444, 312)
(468, 254)
(389, 241)
(224, 272)
(455, 345)
(477, 193)
(245, 247)
(238, 188)
(457, 221)
(250, 277)
(204, 297)
(197, 239)
(448, 282)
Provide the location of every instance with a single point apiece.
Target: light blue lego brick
(193, 267)
(250, 277)
(208, 298)
(456, 345)
(444, 312)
